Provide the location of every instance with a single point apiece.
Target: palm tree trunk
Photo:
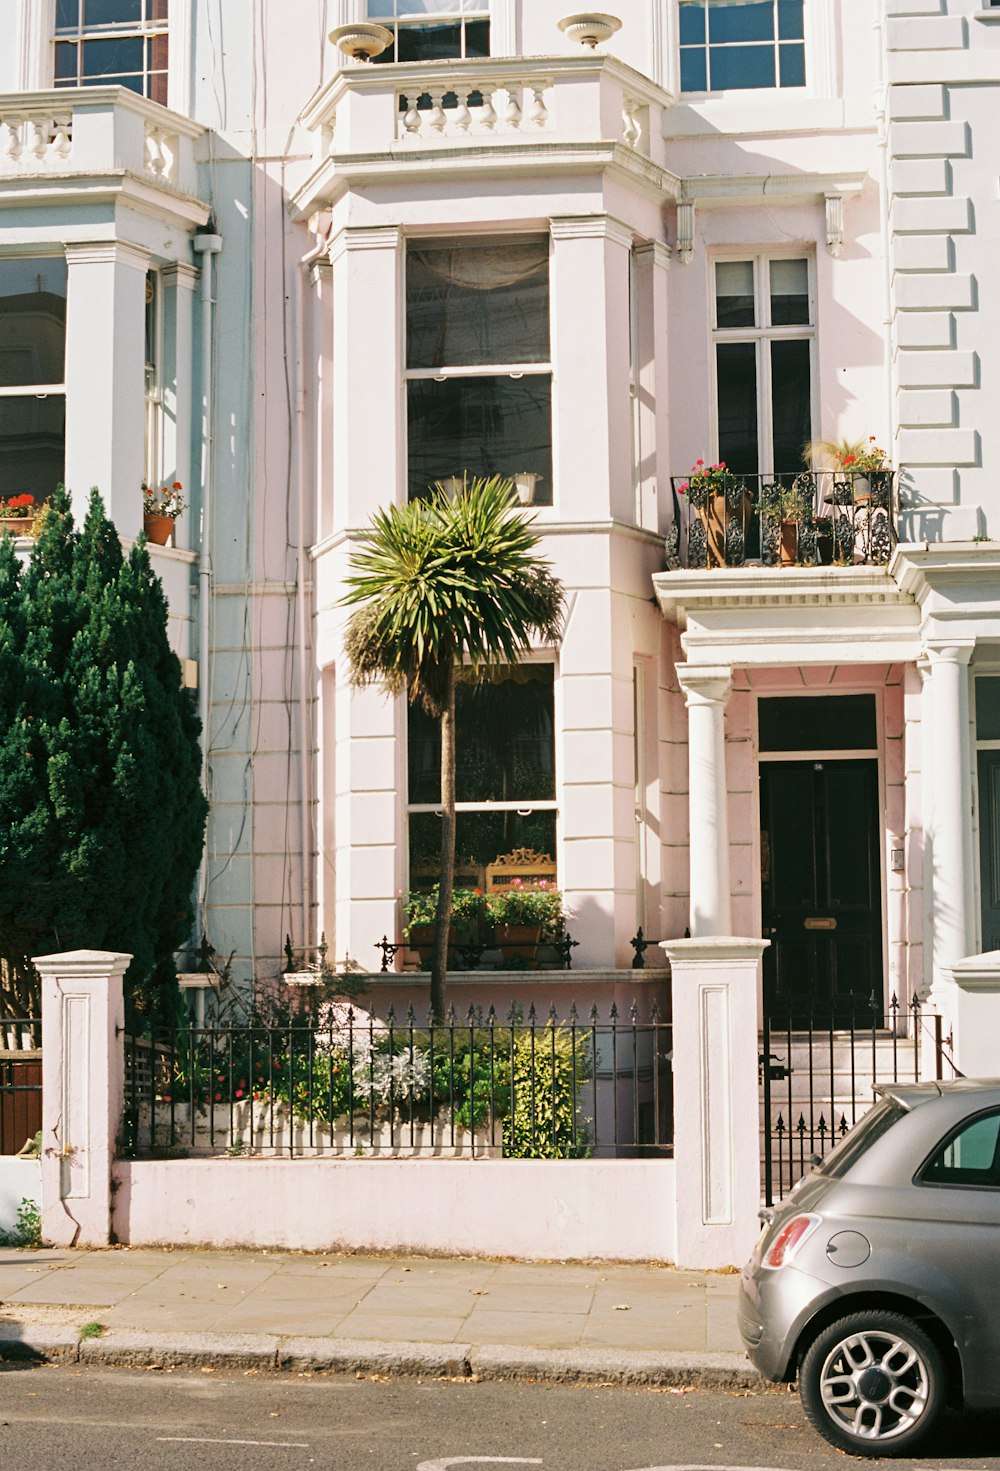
(446, 872)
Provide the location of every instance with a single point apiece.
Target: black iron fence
(809, 519)
(20, 1082)
(344, 1082)
(819, 1071)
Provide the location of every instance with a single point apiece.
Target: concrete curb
(125, 1348)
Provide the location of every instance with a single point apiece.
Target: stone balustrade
(96, 130)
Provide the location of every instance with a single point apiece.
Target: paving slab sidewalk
(448, 1316)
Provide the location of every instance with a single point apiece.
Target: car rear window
(970, 1156)
(876, 1122)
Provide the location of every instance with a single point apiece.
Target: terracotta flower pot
(789, 543)
(158, 529)
(16, 525)
(518, 941)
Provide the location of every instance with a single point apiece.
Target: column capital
(654, 253)
(705, 684)
(949, 650)
(365, 237)
(82, 963)
(591, 227)
(714, 950)
(180, 274)
(108, 252)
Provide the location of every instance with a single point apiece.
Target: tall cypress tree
(101, 811)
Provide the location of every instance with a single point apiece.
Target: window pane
(740, 20)
(112, 58)
(67, 15)
(505, 749)
(817, 723)
(970, 1158)
(32, 321)
(789, 280)
(736, 364)
(790, 20)
(477, 38)
(694, 72)
(66, 59)
(486, 426)
(734, 304)
(477, 305)
(112, 12)
(790, 404)
(480, 839)
(32, 445)
(741, 66)
(692, 19)
(988, 709)
(428, 43)
(792, 63)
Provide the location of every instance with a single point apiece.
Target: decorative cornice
(109, 252)
(591, 227)
(364, 237)
(713, 190)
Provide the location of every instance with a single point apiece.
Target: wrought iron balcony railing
(814, 518)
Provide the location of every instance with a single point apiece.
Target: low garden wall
(533, 1209)
(20, 1179)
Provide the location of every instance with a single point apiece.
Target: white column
(706, 691)
(948, 777)
(591, 411)
(179, 282)
(971, 997)
(714, 986)
(105, 388)
(655, 502)
(83, 1092)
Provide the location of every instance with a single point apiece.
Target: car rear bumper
(773, 1308)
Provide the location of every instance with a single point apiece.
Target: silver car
(877, 1282)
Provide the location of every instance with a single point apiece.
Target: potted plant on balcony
(420, 908)
(17, 514)
(859, 467)
(717, 496)
(784, 510)
(524, 914)
(160, 509)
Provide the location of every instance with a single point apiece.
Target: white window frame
(762, 335)
(146, 29)
(454, 15)
(38, 390)
(821, 31)
(476, 370)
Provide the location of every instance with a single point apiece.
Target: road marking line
(447, 1461)
(296, 1445)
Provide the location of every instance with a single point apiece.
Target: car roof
(912, 1095)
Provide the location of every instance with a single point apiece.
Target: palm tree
(440, 585)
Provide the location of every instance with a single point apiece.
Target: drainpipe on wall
(206, 246)
(301, 598)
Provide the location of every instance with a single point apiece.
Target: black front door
(989, 846)
(821, 889)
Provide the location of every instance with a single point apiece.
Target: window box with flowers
(160, 509)
(420, 909)
(523, 915)
(18, 514)
(721, 504)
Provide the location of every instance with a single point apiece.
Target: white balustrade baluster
(412, 120)
(62, 142)
(488, 117)
(632, 130)
(462, 117)
(538, 113)
(14, 145)
(438, 118)
(512, 112)
(154, 151)
(41, 139)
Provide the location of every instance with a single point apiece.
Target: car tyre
(873, 1384)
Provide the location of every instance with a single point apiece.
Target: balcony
(433, 116)
(95, 143)
(820, 518)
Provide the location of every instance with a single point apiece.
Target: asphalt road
(64, 1419)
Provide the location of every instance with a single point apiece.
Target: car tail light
(789, 1239)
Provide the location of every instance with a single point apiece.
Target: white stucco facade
(283, 409)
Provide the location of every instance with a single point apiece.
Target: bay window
(432, 30)
(32, 375)
(730, 44)
(763, 352)
(504, 779)
(478, 370)
(113, 42)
